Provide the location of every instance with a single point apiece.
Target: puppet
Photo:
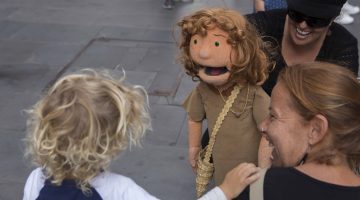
(222, 50)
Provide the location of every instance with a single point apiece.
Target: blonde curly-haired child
(83, 122)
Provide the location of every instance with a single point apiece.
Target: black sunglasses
(313, 22)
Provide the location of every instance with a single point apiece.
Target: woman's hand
(238, 178)
(193, 156)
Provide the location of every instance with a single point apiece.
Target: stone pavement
(41, 40)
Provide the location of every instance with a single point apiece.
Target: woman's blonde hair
(250, 64)
(83, 122)
(334, 92)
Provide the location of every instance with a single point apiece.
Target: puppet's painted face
(212, 54)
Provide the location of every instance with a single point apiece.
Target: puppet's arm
(259, 5)
(264, 155)
(260, 112)
(194, 141)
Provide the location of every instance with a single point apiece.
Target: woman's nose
(303, 24)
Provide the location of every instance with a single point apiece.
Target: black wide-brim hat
(317, 8)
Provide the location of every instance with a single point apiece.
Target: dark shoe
(168, 4)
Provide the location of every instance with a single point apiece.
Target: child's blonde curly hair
(82, 123)
(250, 64)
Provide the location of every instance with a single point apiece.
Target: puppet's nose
(204, 53)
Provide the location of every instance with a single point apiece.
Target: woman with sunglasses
(305, 32)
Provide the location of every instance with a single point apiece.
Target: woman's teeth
(302, 33)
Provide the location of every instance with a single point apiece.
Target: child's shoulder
(33, 184)
(112, 185)
(110, 177)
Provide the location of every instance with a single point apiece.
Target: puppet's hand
(193, 156)
(264, 155)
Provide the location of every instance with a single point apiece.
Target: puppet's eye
(195, 41)
(217, 43)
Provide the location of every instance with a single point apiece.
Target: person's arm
(259, 5)
(194, 106)
(238, 179)
(234, 183)
(194, 141)
(215, 194)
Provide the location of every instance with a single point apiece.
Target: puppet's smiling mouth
(214, 71)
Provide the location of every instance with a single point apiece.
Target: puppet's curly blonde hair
(82, 123)
(250, 65)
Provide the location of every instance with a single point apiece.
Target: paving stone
(8, 28)
(184, 131)
(183, 140)
(162, 179)
(46, 32)
(163, 22)
(153, 99)
(54, 54)
(167, 63)
(15, 161)
(67, 15)
(166, 121)
(135, 17)
(133, 57)
(165, 84)
(126, 20)
(7, 11)
(11, 143)
(124, 33)
(12, 190)
(21, 86)
(14, 105)
(101, 55)
(14, 167)
(15, 52)
(185, 88)
(160, 100)
(144, 79)
(159, 36)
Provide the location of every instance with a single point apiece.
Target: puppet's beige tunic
(238, 138)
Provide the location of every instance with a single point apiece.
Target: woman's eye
(217, 43)
(195, 41)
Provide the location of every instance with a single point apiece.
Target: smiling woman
(305, 32)
(222, 50)
(314, 129)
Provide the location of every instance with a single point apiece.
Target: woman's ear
(319, 127)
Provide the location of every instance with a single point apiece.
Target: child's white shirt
(110, 186)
